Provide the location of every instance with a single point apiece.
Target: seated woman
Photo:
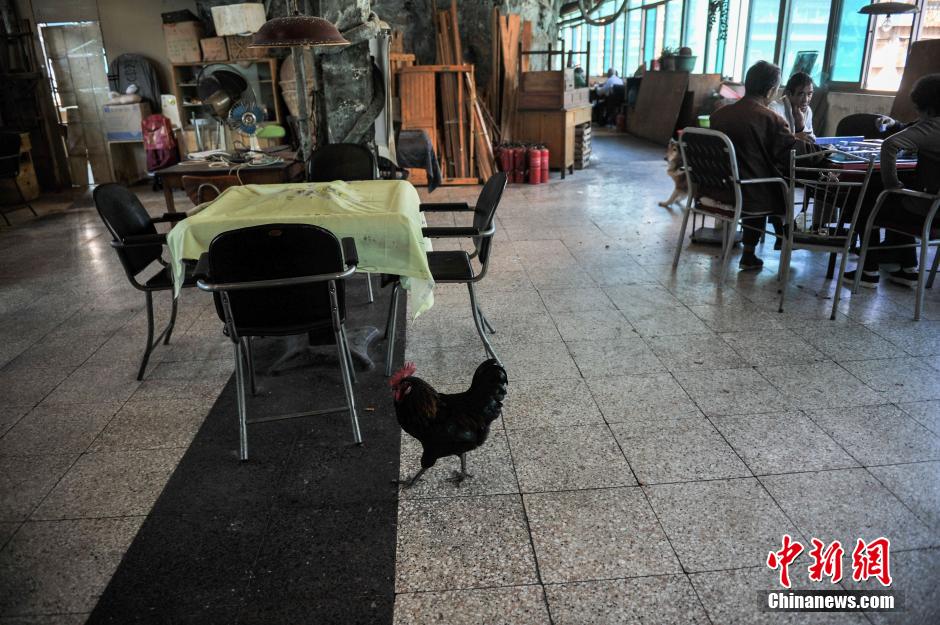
(762, 142)
(922, 136)
(794, 105)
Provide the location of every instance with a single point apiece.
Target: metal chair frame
(480, 238)
(121, 246)
(822, 187)
(729, 223)
(925, 242)
(23, 202)
(243, 347)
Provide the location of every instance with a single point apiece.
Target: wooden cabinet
(261, 75)
(554, 129)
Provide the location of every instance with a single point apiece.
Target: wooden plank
(658, 105)
(923, 59)
(510, 31)
(463, 162)
(438, 68)
(526, 40)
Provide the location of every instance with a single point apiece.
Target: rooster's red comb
(406, 371)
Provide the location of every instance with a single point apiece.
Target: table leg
(168, 196)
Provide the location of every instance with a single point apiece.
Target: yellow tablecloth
(381, 215)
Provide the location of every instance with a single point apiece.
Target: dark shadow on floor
(303, 532)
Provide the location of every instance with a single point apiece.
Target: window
(890, 39)
(805, 40)
(632, 57)
(848, 46)
(762, 31)
(696, 14)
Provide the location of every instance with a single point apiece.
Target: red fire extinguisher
(544, 150)
(505, 159)
(535, 165)
(518, 164)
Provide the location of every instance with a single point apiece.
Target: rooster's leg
(460, 476)
(410, 483)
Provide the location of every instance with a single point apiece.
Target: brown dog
(673, 160)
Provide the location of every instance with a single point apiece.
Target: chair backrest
(9, 154)
(201, 189)
(125, 216)
(342, 161)
(485, 211)
(859, 125)
(269, 252)
(832, 197)
(711, 165)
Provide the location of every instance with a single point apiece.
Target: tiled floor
(659, 437)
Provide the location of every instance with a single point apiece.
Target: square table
(381, 215)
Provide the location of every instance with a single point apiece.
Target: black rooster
(448, 425)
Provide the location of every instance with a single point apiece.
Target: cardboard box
(182, 42)
(214, 49)
(122, 121)
(238, 49)
(238, 19)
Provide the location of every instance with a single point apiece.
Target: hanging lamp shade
(887, 8)
(297, 30)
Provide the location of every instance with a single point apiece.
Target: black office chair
(342, 161)
(455, 267)
(280, 280)
(860, 125)
(138, 246)
(347, 162)
(10, 143)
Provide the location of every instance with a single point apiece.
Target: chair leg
(921, 275)
(23, 199)
(242, 403)
(859, 267)
(143, 363)
(349, 359)
(169, 328)
(933, 270)
(831, 269)
(343, 349)
(685, 223)
(369, 286)
(474, 307)
(486, 322)
(784, 273)
(728, 242)
(250, 362)
(390, 328)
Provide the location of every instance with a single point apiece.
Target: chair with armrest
(280, 280)
(832, 199)
(456, 267)
(342, 161)
(10, 143)
(926, 235)
(138, 246)
(715, 188)
(201, 189)
(347, 162)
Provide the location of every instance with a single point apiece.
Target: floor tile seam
(886, 338)
(110, 517)
(901, 408)
(917, 515)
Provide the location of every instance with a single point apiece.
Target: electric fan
(229, 98)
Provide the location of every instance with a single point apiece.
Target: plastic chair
(201, 189)
(10, 143)
(711, 169)
(138, 246)
(455, 267)
(925, 236)
(280, 280)
(835, 196)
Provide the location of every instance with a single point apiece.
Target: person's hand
(883, 123)
(799, 119)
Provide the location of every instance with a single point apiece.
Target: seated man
(794, 105)
(605, 88)
(762, 142)
(922, 136)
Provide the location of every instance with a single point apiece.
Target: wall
(136, 27)
(839, 105)
(415, 19)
